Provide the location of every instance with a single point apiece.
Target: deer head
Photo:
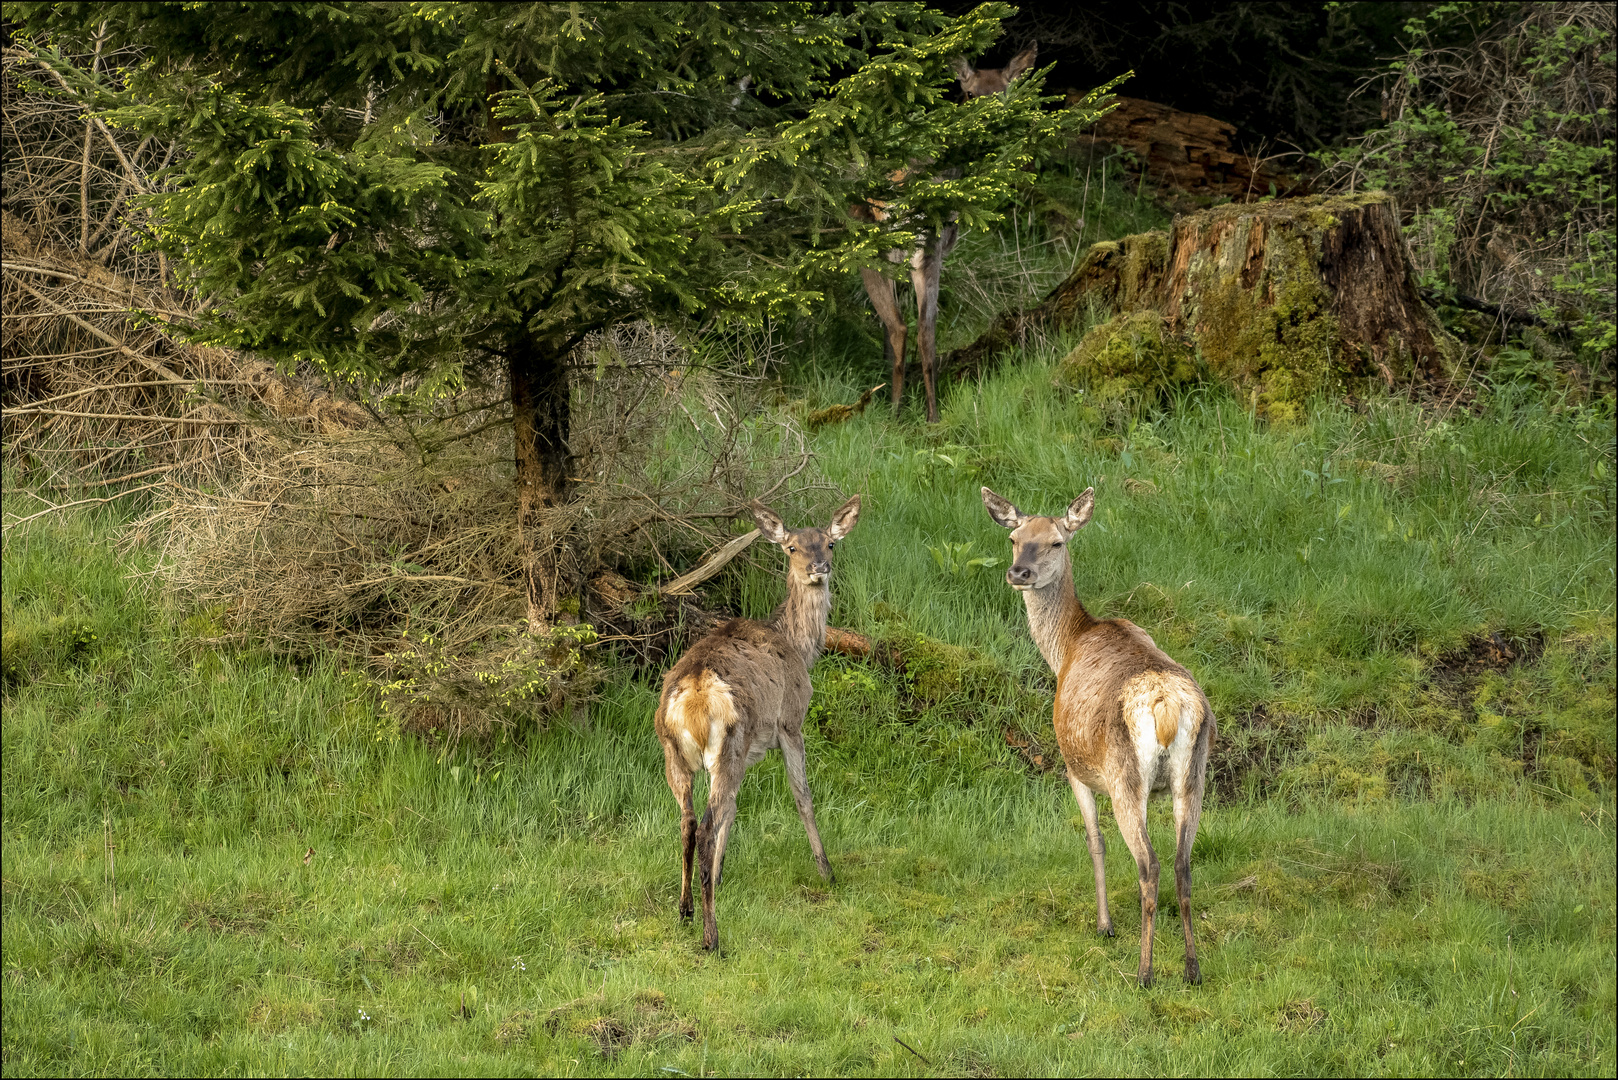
(1039, 544)
(982, 82)
(808, 550)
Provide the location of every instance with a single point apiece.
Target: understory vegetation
(1405, 623)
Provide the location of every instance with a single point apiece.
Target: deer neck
(801, 619)
(1056, 618)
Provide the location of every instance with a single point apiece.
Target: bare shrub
(97, 394)
(395, 544)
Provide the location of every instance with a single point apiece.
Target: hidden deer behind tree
(741, 692)
(926, 256)
(1129, 720)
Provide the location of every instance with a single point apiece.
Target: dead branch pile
(396, 543)
(96, 396)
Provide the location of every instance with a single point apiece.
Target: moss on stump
(1282, 298)
(1134, 356)
(1287, 297)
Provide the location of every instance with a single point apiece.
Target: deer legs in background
(926, 267)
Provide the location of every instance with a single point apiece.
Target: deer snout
(1020, 577)
(819, 572)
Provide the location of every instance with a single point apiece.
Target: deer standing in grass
(741, 692)
(927, 254)
(1129, 720)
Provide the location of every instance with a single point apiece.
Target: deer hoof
(1106, 930)
(1145, 979)
(1193, 972)
(686, 912)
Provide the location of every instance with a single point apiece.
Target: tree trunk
(540, 407)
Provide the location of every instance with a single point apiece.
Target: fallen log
(1189, 153)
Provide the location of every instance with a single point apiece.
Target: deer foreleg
(885, 302)
(1098, 852)
(797, 775)
(926, 267)
(1131, 815)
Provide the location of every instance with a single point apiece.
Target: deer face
(808, 550)
(1039, 555)
(981, 82)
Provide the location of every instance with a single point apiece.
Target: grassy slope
(1406, 867)
(1345, 929)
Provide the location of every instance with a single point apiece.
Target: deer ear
(1078, 512)
(963, 70)
(769, 523)
(1022, 61)
(1002, 511)
(843, 522)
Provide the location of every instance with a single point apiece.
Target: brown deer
(741, 692)
(980, 82)
(1129, 720)
(927, 256)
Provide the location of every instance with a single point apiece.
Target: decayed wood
(686, 582)
(1345, 254)
(1331, 273)
(1189, 152)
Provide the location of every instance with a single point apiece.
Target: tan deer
(741, 692)
(1129, 720)
(927, 256)
(980, 82)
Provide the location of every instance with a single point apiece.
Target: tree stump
(1282, 298)
(1290, 296)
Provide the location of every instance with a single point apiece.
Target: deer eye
(1057, 543)
(792, 550)
(831, 545)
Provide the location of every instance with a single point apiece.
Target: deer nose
(821, 568)
(1019, 575)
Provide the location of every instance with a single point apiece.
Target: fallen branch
(686, 582)
(53, 508)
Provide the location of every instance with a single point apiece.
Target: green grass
(512, 909)
(1406, 864)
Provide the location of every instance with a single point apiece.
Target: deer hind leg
(1098, 852)
(1188, 788)
(712, 836)
(679, 778)
(885, 302)
(925, 268)
(1131, 815)
(792, 751)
